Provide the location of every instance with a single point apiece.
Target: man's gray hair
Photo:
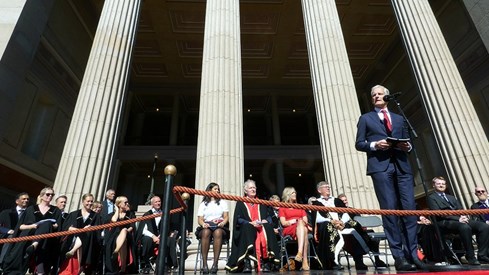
(386, 91)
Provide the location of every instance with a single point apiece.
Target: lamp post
(183, 238)
(170, 172)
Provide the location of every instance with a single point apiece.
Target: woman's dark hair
(209, 187)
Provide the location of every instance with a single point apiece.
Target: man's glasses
(49, 194)
(480, 191)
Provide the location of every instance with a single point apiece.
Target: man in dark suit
(9, 219)
(108, 204)
(461, 225)
(149, 234)
(388, 166)
(483, 203)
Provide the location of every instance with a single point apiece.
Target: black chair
(287, 241)
(355, 246)
(371, 222)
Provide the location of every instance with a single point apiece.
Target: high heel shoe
(214, 269)
(69, 254)
(205, 270)
(298, 257)
(29, 251)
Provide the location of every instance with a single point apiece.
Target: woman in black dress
(119, 240)
(85, 246)
(38, 219)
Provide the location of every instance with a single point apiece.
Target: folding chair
(355, 246)
(371, 222)
(198, 258)
(285, 241)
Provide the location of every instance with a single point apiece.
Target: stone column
(344, 167)
(457, 129)
(88, 156)
(479, 12)
(220, 140)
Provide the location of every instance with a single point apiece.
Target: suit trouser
(465, 231)
(395, 190)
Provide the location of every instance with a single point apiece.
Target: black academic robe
(110, 236)
(90, 240)
(46, 254)
(244, 235)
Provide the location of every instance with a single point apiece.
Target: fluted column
(88, 154)
(463, 145)
(220, 138)
(344, 167)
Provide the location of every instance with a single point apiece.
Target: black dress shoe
(247, 266)
(380, 264)
(473, 261)
(337, 267)
(419, 264)
(361, 266)
(401, 264)
(483, 259)
(265, 267)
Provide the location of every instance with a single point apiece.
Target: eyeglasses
(49, 194)
(480, 191)
(126, 202)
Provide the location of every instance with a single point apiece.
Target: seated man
(372, 244)
(483, 203)
(148, 234)
(461, 225)
(327, 229)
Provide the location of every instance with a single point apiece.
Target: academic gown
(245, 234)
(110, 236)
(45, 256)
(90, 241)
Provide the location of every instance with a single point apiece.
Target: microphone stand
(413, 134)
(151, 194)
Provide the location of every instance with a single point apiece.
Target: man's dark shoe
(247, 266)
(146, 270)
(265, 267)
(473, 261)
(401, 264)
(380, 264)
(361, 266)
(337, 267)
(419, 264)
(483, 259)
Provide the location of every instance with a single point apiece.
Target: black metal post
(183, 239)
(170, 172)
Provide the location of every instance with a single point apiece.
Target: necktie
(445, 198)
(483, 205)
(387, 122)
(21, 211)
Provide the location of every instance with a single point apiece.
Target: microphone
(392, 96)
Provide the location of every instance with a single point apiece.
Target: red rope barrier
(332, 209)
(88, 229)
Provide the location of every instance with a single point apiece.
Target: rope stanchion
(332, 209)
(88, 229)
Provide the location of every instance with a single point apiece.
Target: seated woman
(37, 219)
(295, 224)
(253, 237)
(119, 240)
(213, 216)
(83, 247)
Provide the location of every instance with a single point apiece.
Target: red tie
(387, 122)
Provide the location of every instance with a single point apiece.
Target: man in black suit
(9, 219)
(388, 166)
(108, 204)
(461, 225)
(149, 234)
(483, 203)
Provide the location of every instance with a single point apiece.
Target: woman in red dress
(294, 222)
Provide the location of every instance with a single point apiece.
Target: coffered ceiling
(169, 46)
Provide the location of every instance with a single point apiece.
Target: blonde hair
(120, 199)
(287, 193)
(43, 191)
